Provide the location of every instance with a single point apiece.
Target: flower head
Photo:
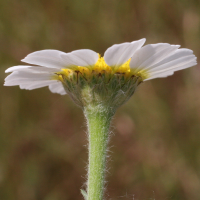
(112, 78)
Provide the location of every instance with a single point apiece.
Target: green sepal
(112, 90)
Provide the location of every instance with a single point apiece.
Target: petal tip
(23, 60)
(143, 39)
(7, 70)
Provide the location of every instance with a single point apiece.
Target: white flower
(128, 59)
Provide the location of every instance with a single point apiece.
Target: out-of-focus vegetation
(155, 151)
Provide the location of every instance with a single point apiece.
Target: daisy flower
(99, 85)
(127, 63)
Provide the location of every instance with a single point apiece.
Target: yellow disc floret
(101, 68)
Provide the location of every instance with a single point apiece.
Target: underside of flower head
(122, 65)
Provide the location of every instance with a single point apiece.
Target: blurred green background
(155, 146)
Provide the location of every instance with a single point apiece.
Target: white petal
(38, 69)
(46, 58)
(27, 76)
(151, 54)
(83, 57)
(34, 85)
(17, 68)
(178, 57)
(118, 54)
(161, 75)
(57, 87)
(161, 60)
(29, 80)
(26, 83)
(169, 71)
(35, 69)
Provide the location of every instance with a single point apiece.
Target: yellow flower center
(101, 68)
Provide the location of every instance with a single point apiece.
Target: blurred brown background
(155, 148)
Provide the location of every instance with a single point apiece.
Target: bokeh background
(155, 145)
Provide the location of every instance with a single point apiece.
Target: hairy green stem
(98, 121)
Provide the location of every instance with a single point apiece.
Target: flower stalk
(98, 121)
